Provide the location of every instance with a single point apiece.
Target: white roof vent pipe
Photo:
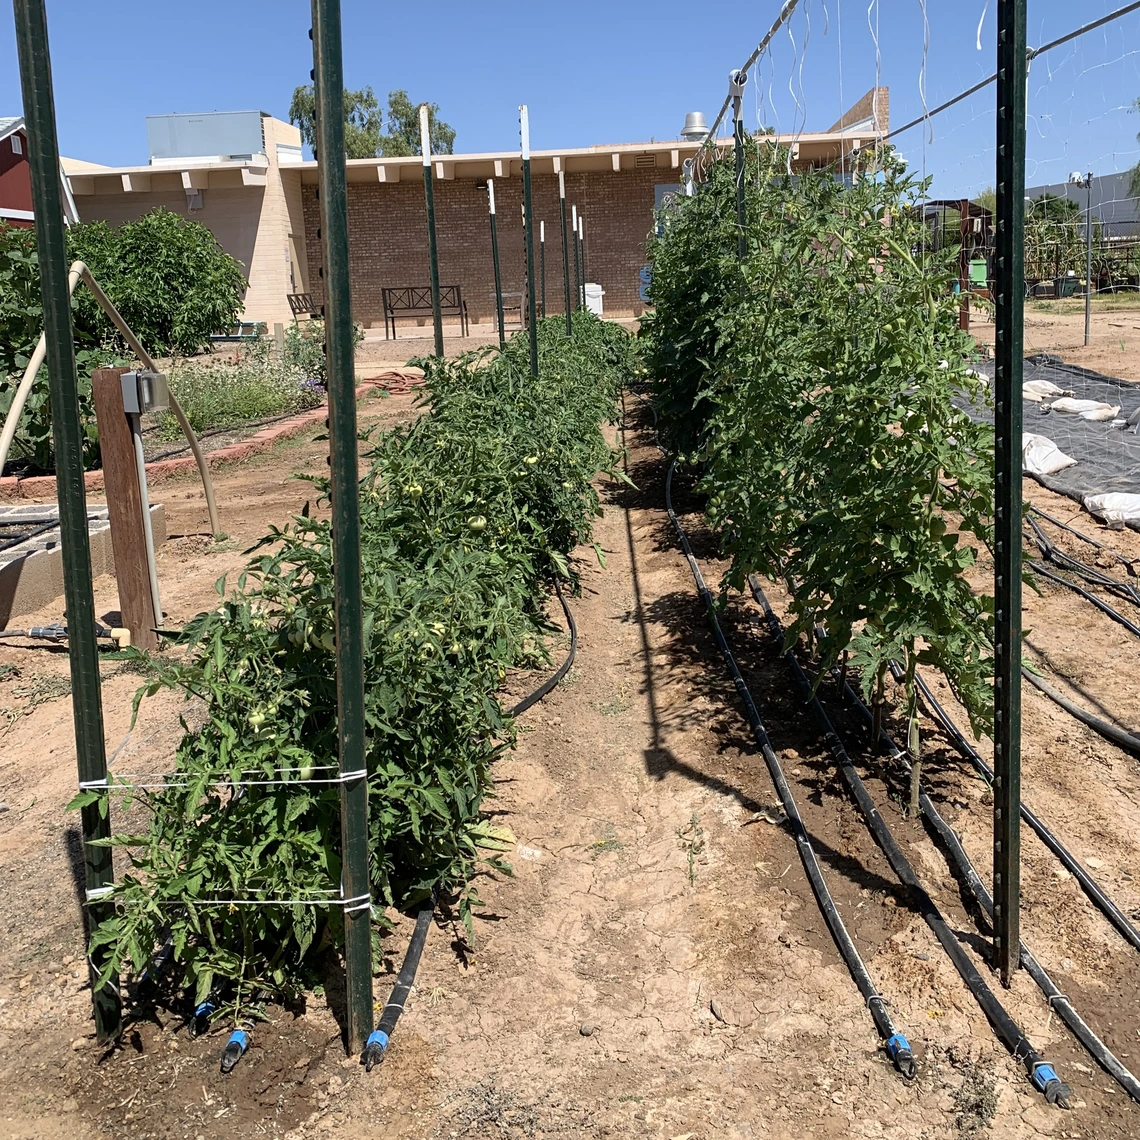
(695, 127)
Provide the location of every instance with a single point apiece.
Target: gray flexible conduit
(897, 1046)
(1041, 1073)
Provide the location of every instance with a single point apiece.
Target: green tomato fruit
(477, 523)
(328, 642)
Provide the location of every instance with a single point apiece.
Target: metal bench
(301, 305)
(243, 330)
(415, 301)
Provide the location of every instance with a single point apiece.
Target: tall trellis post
(67, 436)
(340, 348)
(1009, 297)
(532, 307)
(565, 249)
(433, 249)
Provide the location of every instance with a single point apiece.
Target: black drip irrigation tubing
(953, 845)
(897, 1046)
(377, 1044)
(1126, 740)
(1103, 606)
(1041, 1073)
(1122, 588)
(1092, 890)
(1074, 565)
(548, 685)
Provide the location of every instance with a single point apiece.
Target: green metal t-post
(542, 259)
(340, 347)
(67, 436)
(582, 248)
(495, 259)
(736, 82)
(532, 309)
(1009, 326)
(433, 252)
(577, 261)
(565, 251)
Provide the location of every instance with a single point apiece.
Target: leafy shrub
(465, 516)
(818, 381)
(167, 275)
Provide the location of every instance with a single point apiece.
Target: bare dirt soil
(657, 965)
(1058, 327)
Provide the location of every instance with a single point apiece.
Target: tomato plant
(466, 516)
(819, 382)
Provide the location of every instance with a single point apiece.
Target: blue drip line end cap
(240, 1038)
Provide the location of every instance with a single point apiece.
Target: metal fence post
(495, 259)
(542, 260)
(433, 250)
(577, 262)
(340, 348)
(582, 247)
(736, 82)
(565, 249)
(532, 322)
(67, 437)
(1010, 298)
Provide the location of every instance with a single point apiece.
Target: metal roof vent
(645, 161)
(695, 127)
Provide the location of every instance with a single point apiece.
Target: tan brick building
(262, 206)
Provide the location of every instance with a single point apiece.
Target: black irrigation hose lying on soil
(1056, 999)
(1068, 562)
(549, 684)
(1087, 884)
(1041, 1073)
(898, 1048)
(1118, 736)
(378, 1039)
(1103, 606)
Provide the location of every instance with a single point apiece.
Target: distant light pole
(1086, 180)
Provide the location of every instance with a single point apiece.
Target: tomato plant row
(466, 516)
(817, 384)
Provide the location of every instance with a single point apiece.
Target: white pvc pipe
(79, 270)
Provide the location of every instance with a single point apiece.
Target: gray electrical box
(145, 392)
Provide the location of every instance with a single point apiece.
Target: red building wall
(15, 181)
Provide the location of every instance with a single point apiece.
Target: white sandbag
(1037, 390)
(1041, 456)
(1116, 508)
(1078, 407)
(1101, 414)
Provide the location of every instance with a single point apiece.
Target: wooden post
(124, 505)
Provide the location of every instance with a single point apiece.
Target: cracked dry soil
(649, 885)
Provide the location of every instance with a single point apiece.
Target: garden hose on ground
(1041, 1073)
(1118, 736)
(1087, 884)
(549, 684)
(378, 1039)
(898, 1048)
(953, 845)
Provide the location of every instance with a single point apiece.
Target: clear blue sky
(618, 71)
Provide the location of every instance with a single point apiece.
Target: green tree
(363, 121)
(403, 136)
(364, 135)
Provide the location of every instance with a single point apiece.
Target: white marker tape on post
(562, 185)
(582, 229)
(425, 134)
(542, 231)
(573, 219)
(524, 130)
(491, 193)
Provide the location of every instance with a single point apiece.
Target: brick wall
(388, 237)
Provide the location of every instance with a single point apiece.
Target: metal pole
(67, 436)
(582, 246)
(340, 349)
(532, 309)
(495, 258)
(433, 253)
(565, 249)
(1010, 298)
(736, 82)
(1088, 267)
(577, 262)
(542, 260)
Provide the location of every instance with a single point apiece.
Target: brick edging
(43, 486)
